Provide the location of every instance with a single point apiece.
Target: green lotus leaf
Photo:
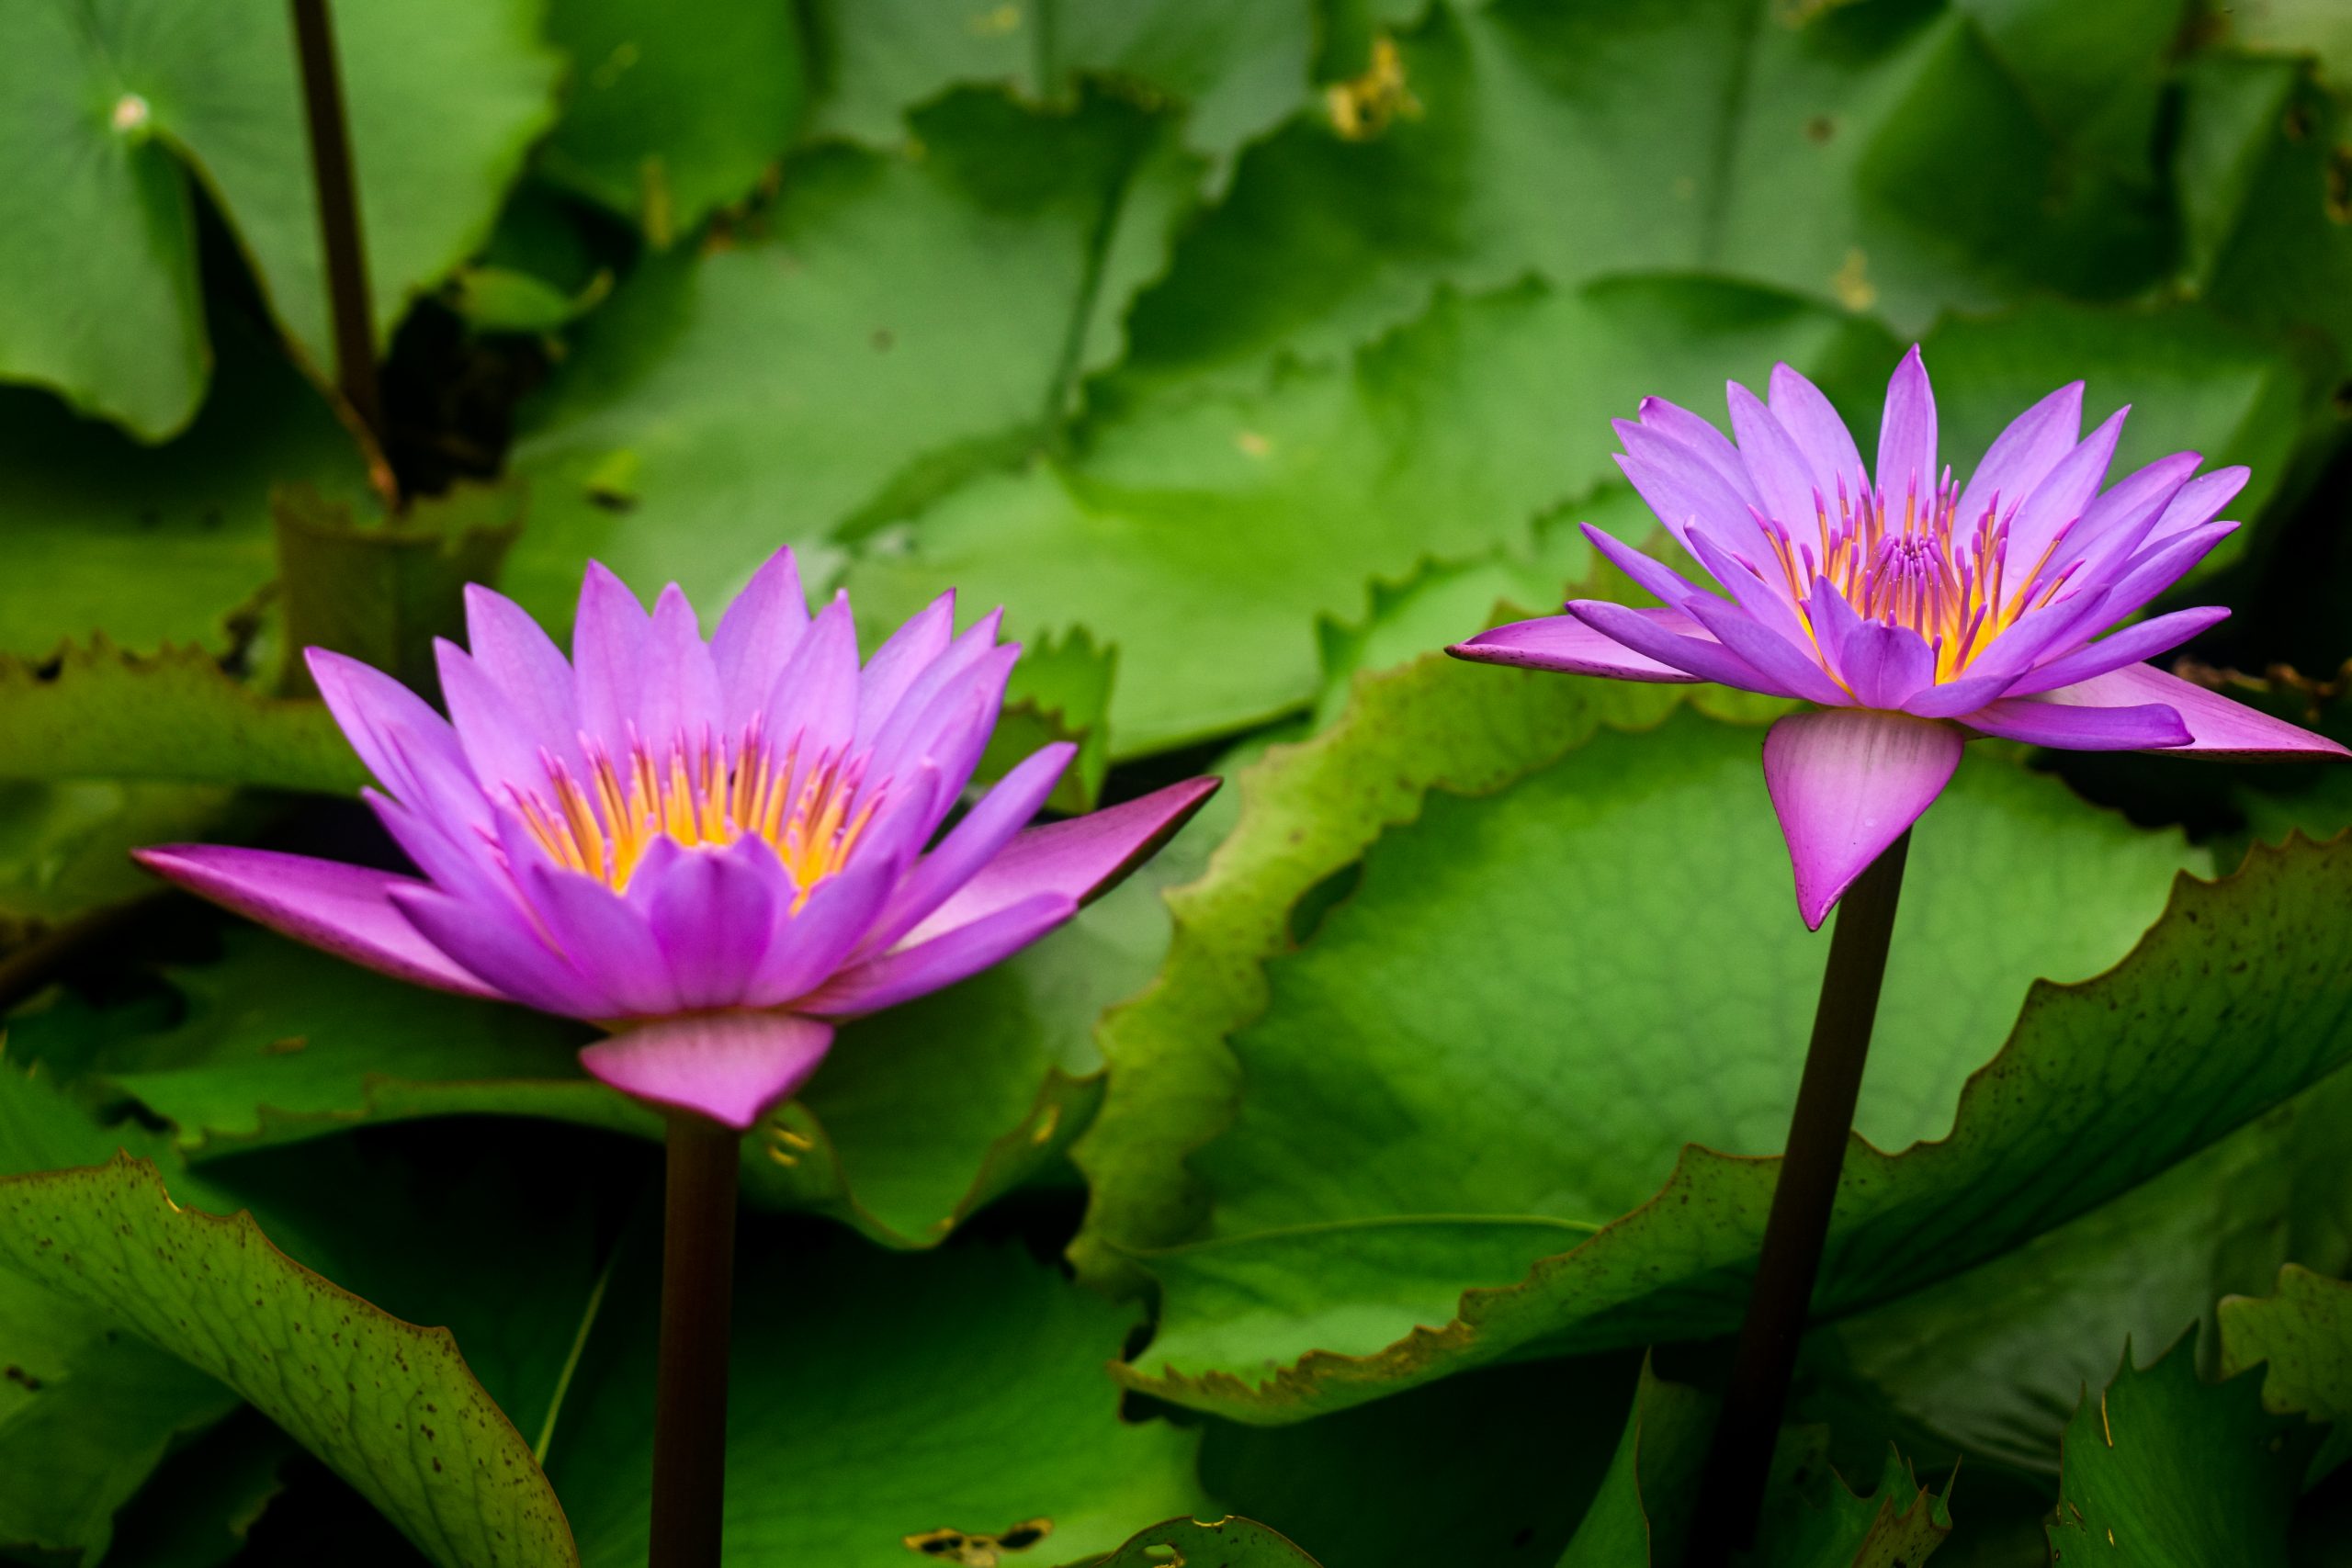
(2164, 1469)
(985, 1416)
(113, 109)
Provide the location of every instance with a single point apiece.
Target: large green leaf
(1203, 535)
(2162, 1469)
(1237, 1543)
(1340, 1250)
(163, 545)
(876, 1398)
(106, 101)
(912, 314)
(95, 711)
(1578, 141)
(160, 1305)
(1238, 66)
(1993, 1361)
(2302, 1336)
(665, 122)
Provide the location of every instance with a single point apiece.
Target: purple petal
(814, 705)
(502, 750)
(2218, 727)
(1813, 423)
(1792, 667)
(607, 658)
(2040, 721)
(817, 939)
(957, 954)
(1662, 583)
(1847, 782)
(1885, 666)
(2156, 568)
(678, 696)
(1078, 859)
(987, 829)
(756, 635)
(714, 913)
(604, 935)
(1699, 433)
(1681, 487)
(2119, 522)
(343, 909)
(2022, 456)
(900, 661)
(365, 702)
(1906, 438)
(733, 1067)
(955, 725)
(527, 669)
(2133, 645)
(1702, 657)
(2060, 499)
(2199, 501)
(1768, 601)
(1563, 642)
(1782, 475)
(498, 946)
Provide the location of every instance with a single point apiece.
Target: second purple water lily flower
(1912, 610)
(714, 848)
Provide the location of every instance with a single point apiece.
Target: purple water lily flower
(713, 849)
(1912, 610)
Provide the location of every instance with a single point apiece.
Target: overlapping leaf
(116, 110)
(987, 1412)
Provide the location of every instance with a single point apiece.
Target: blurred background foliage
(1245, 351)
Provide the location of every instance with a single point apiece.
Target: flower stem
(338, 198)
(697, 1297)
(1732, 1493)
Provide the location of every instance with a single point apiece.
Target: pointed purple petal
(1702, 657)
(900, 661)
(2199, 501)
(1792, 666)
(814, 705)
(2069, 726)
(817, 939)
(504, 752)
(607, 655)
(522, 663)
(2156, 568)
(1700, 436)
(365, 702)
(677, 694)
(2119, 521)
(928, 966)
(756, 635)
(1565, 643)
(343, 909)
(2133, 645)
(2218, 727)
(1681, 488)
(1906, 438)
(1768, 601)
(1782, 475)
(987, 829)
(2062, 499)
(1079, 859)
(1813, 423)
(1662, 583)
(1847, 782)
(2022, 456)
(733, 1067)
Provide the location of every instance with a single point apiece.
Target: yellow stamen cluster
(811, 817)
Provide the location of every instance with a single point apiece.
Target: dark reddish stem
(1797, 1230)
(338, 194)
(697, 1301)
